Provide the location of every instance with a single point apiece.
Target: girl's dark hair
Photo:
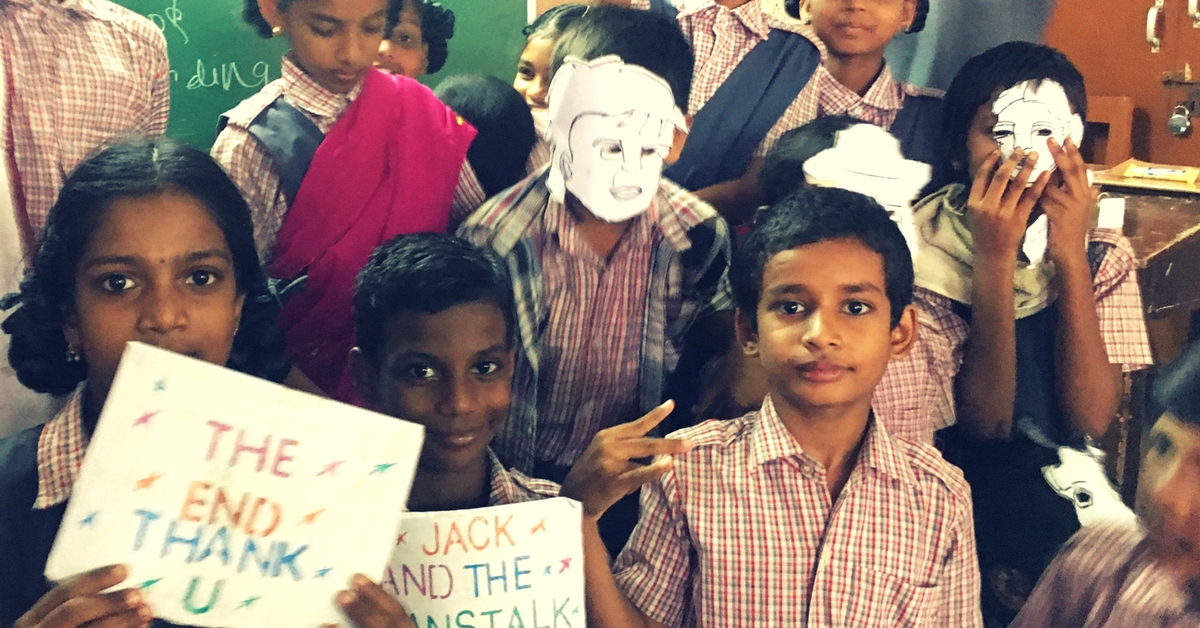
(252, 16)
(985, 75)
(437, 27)
(815, 215)
(500, 152)
(426, 273)
(134, 168)
(554, 21)
(1177, 388)
(783, 168)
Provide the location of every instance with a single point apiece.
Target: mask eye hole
(1082, 497)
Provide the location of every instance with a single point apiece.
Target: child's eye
(322, 32)
(1044, 132)
(610, 149)
(202, 278)
(858, 308)
(421, 372)
(525, 74)
(1000, 135)
(789, 308)
(116, 284)
(487, 368)
(1160, 444)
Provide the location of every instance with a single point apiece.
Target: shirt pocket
(875, 598)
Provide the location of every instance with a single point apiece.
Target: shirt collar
(304, 92)
(752, 15)
(883, 94)
(561, 225)
(503, 491)
(60, 453)
(770, 440)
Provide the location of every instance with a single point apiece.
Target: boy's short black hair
(426, 273)
(554, 21)
(1177, 388)
(500, 153)
(641, 38)
(783, 168)
(816, 215)
(985, 75)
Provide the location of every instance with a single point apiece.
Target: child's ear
(271, 13)
(904, 333)
(910, 14)
(71, 329)
(747, 332)
(806, 11)
(678, 142)
(366, 379)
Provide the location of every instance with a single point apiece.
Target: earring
(73, 355)
(276, 31)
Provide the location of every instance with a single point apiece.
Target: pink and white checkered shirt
(253, 169)
(721, 38)
(81, 73)
(509, 486)
(743, 532)
(1106, 576)
(60, 453)
(916, 395)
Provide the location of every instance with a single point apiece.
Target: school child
(807, 512)
(611, 265)
(501, 150)
(1145, 573)
(1034, 311)
(149, 241)
(58, 104)
(334, 158)
(760, 72)
(417, 44)
(533, 70)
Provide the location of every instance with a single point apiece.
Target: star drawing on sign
(547, 570)
(566, 564)
(311, 517)
(540, 527)
(321, 573)
(330, 468)
(89, 520)
(149, 583)
(145, 419)
(160, 385)
(400, 539)
(147, 481)
(247, 602)
(380, 468)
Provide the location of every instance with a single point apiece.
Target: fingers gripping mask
(611, 126)
(1028, 114)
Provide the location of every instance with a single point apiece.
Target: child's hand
(607, 470)
(369, 606)
(1068, 202)
(999, 205)
(79, 601)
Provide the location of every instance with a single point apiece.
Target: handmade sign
(611, 128)
(234, 502)
(499, 567)
(867, 159)
(1028, 114)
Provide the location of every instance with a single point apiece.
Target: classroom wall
(217, 59)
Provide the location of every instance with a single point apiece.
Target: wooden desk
(1165, 232)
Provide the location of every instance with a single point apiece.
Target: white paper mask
(1028, 115)
(867, 159)
(611, 127)
(1079, 478)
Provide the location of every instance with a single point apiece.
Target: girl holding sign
(334, 158)
(149, 241)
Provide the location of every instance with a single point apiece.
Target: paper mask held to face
(611, 128)
(867, 159)
(1028, 114)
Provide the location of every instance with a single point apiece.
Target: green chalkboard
(217, 59)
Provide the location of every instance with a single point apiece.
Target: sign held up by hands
(498, 567)
(234, 502)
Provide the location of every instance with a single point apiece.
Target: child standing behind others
(533, 71)
(807, 512)
(611, 263)
(334, 158)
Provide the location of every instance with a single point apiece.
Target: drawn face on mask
(611, 128)
(1027, 115)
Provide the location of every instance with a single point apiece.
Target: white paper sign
(515, 565)
(234, 501)
(1027, 115)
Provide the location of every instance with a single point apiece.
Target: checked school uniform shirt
(1106, 576)
(916, 394)
(742, 532)
(598, 337)
(60, 451)
(251, 167)
(721, 38)
(510, 486)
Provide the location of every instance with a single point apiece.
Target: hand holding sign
(608, 471)
(369, 606)
(79, 601)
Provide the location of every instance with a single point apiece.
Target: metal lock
(1180, 121)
